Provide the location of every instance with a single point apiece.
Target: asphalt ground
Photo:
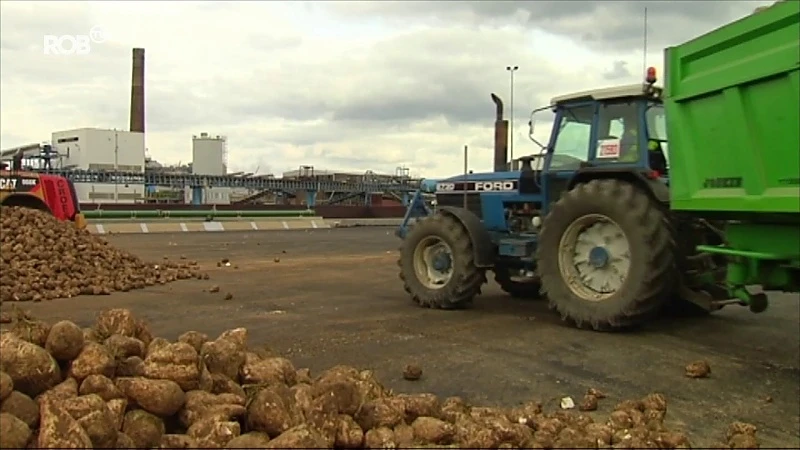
(334, 297)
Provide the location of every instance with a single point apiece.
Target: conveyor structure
(182, 180)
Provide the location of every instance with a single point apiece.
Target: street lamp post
(511, 70)
(116, 166)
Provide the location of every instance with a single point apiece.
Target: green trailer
(732, 103)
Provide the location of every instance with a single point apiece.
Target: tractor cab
(618, 127)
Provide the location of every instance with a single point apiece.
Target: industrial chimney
(137, 91)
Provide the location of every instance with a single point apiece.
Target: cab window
(618, 132)
(657, 129)
(573, 139)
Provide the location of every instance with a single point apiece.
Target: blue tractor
(585, 222)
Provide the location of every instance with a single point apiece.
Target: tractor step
(517, 247)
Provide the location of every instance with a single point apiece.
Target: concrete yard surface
(327, 297)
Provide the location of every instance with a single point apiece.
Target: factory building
(111, 166)
(102, 150)
(209, 157)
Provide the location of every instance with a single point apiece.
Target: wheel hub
(441, 261)
(595, 257)
(598, 257)
(433, 262)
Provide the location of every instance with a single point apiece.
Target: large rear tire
(529, 290)
(437, 265)
(606, 256)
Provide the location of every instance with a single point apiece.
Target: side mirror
(531, 125)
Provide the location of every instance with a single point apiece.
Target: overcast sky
(350, 85)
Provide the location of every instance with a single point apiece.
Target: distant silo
(209, 155)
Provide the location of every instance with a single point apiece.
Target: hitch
(757, 303)
(416, 208)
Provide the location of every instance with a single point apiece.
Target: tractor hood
(429, 185)
(486, 176)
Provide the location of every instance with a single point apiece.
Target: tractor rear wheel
(437, 265)
(606, 255)
(528, 289)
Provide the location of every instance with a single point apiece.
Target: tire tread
(471, 277)
(651, 224)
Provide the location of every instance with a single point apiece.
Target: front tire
(437, 264)
(606, 256)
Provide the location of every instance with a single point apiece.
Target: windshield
(656, 122)
(572, 141)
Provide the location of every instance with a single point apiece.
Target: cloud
(600, 25)
(361, 86)
(409, 76)
(618, 70)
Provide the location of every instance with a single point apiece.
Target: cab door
(570, 148)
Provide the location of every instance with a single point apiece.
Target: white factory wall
(208, 155)
(210, 196)
(105, 193)
(94, 149)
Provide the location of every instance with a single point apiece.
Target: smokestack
(500, 137)
(137, 91)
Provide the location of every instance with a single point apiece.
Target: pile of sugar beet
(42, 258)
(114, 385)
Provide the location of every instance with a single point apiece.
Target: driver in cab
(629, 142)
(629, 146)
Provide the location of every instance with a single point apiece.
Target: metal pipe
(466, 169)
(498, 103)
(500, 137)
(116, 166)
(511, 115)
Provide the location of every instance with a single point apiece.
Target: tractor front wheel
(606, 255)
(437, 265)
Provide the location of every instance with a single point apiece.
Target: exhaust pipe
(137, 91)
(500, 137)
